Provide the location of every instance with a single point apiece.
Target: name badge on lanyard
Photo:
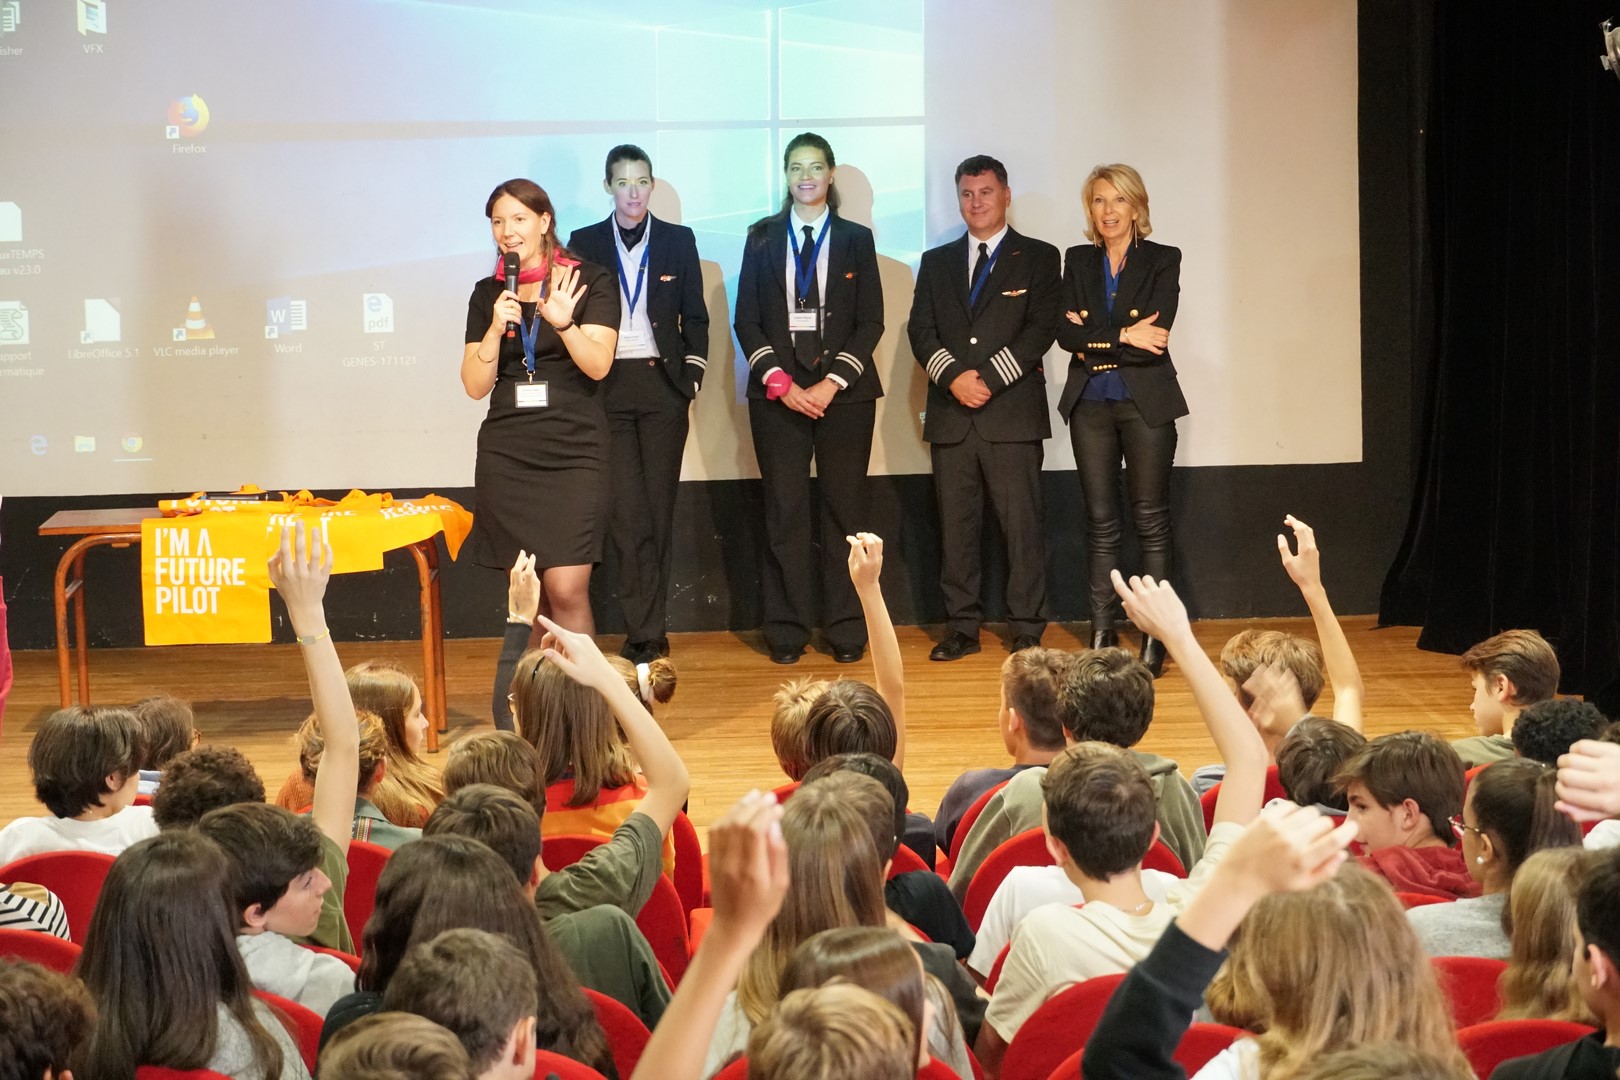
(531, 394)
(632, 342)
(804, 317)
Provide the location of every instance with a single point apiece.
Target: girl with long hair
(1539, 983)
(449, 882)
(161, 961)
(809, 315)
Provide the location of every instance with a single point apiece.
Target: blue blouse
(1107, 385)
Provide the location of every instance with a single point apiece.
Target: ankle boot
(1104, 637)
(1153, 655)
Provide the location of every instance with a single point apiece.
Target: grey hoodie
(279, 966)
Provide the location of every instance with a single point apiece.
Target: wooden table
(121, 528)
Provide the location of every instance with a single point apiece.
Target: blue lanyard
(531, 333)
(1110, 282)
(984, 275)
(641, 273)
(801, 280)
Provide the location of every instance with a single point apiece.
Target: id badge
(632, 343)
(801, 320)
(532, 395)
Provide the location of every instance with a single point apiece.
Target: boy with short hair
(276, 859)
(201, 780)
(502, 758)
(392, 1046)
(834, 1031)
(601, 942)
(1546, 730)
(1509, 672)
(1403, 790)
(85, 761)
(168, 730)
(793, 701)
(1100, 815)
(1030, 719)
(1596, 967)
(44, 1018)
(481, 989)
(1106, 696)
(1310, 757)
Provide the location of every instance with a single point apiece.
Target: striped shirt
(24, 906)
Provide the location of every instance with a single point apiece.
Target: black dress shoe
(1024, 641)
(632, 651)
(955, 646)
(848, 654)
(659, 648)
(786, 654)
(1105, 638)
(1153, 655)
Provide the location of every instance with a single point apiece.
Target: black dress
(540, 476)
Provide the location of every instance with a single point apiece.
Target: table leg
(438, 637)
(64, 659)
(63, 590)
(430, 672)
(81, 642)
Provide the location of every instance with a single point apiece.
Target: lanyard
(984, 274)
(801, 280)
(531, 333)
(624, 283)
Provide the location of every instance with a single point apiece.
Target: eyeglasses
(1458, 827)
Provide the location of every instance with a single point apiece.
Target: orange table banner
(203, 565)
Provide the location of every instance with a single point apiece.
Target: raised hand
(565, 291)
(1154, 607)
(1278, 702)
(1287, 848)
(1146, 335)
(865, 559)
(1304, 568)
(523, 590)
(748, 864)
(577, 656)
(1589, 781)
(300, 569)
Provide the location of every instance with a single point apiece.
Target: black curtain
(1515, 520)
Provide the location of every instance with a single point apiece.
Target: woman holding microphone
(809, 314)
(1122, 398)
(538, 353)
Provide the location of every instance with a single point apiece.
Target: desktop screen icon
(283, 315)
(378, 313)
(188, 117)
(92, 16)
(102, 322)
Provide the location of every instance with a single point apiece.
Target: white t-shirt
(1605, 834)
(1058, 945)
(1026, 888)
(109, 835)
(1240, 1061)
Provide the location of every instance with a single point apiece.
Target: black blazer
(674, 284)
(1004, 336)
(1151, 281)
(852, 303)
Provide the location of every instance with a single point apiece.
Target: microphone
(509, 263)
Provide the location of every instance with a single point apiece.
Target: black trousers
(647, 425)
(1010, 472)
(841, 445)
(1101, 433)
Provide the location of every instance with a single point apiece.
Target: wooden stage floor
(254, 696)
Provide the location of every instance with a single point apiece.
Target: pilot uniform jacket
(674, 284)
(852, 311)
(1004, 337)
(1150, 281)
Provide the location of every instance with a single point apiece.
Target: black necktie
(981, 267)
(807, 343)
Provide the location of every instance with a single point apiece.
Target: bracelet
(560, 329)
(310, 639)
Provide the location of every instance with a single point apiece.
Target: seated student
(792, 708)
(1546, 730)
(201, 780)
(1031, 724)
(1099, 819)
(26, 906)
(164, 930)
(834, 1032)
(369, 822)
(1539, 983)
(481, 989)
(44, 1018)
(1597, 972)
(1508, 815)
(167, 730)
(1299, 660)
(1324, 965)
(919, 897)
(1308, 759)
(571, 705)
(653, 682)
(410, 788)
(501, 758)
(395, 1046)
(445, 883)
(1509, 672)
(602, 943)
(1107, 696)
(1403, 790)
(84, 760)
(276, 859)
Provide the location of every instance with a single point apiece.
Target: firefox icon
(188, 116)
